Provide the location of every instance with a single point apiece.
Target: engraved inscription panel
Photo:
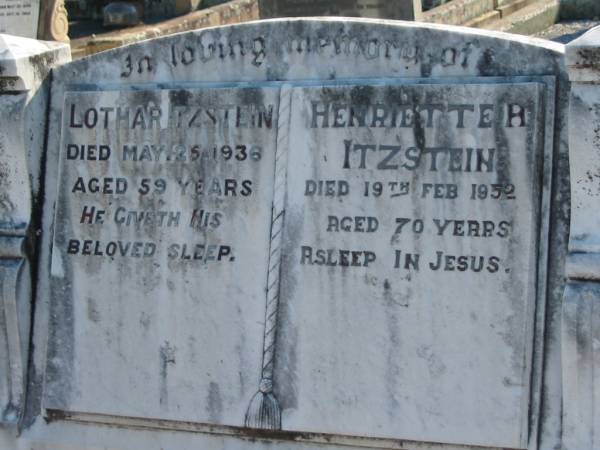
(409, 261)
(160, 252)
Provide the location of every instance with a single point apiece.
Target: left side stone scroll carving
(54, 22)
(24, 85)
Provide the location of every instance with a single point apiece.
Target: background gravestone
(30, 18)
(394, 9)
(581, 314)
(275, 301)
(412, 229)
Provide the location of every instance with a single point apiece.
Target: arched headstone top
(320, 49)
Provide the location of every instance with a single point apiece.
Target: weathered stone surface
(24, 65)
(165, 196)
(459, 12)
(581, 320)
(54, 23)
(19, 17)
(581, 334)
(401, 211)
(337, 356)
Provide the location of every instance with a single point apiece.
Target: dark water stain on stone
(92, 310)
(486, 65)
(393, 371)
(167, 357)
(286, 355)
(180, 97)
(214, 403)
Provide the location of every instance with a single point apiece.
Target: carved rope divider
(264, 411)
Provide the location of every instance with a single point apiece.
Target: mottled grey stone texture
(391, 9)
(312, 326)
(19, 17)
(581, 308)
(24, 68)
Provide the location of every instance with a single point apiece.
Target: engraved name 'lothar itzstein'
(149, 116)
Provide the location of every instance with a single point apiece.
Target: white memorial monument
(310, 233)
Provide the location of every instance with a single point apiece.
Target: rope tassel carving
(264, 411)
